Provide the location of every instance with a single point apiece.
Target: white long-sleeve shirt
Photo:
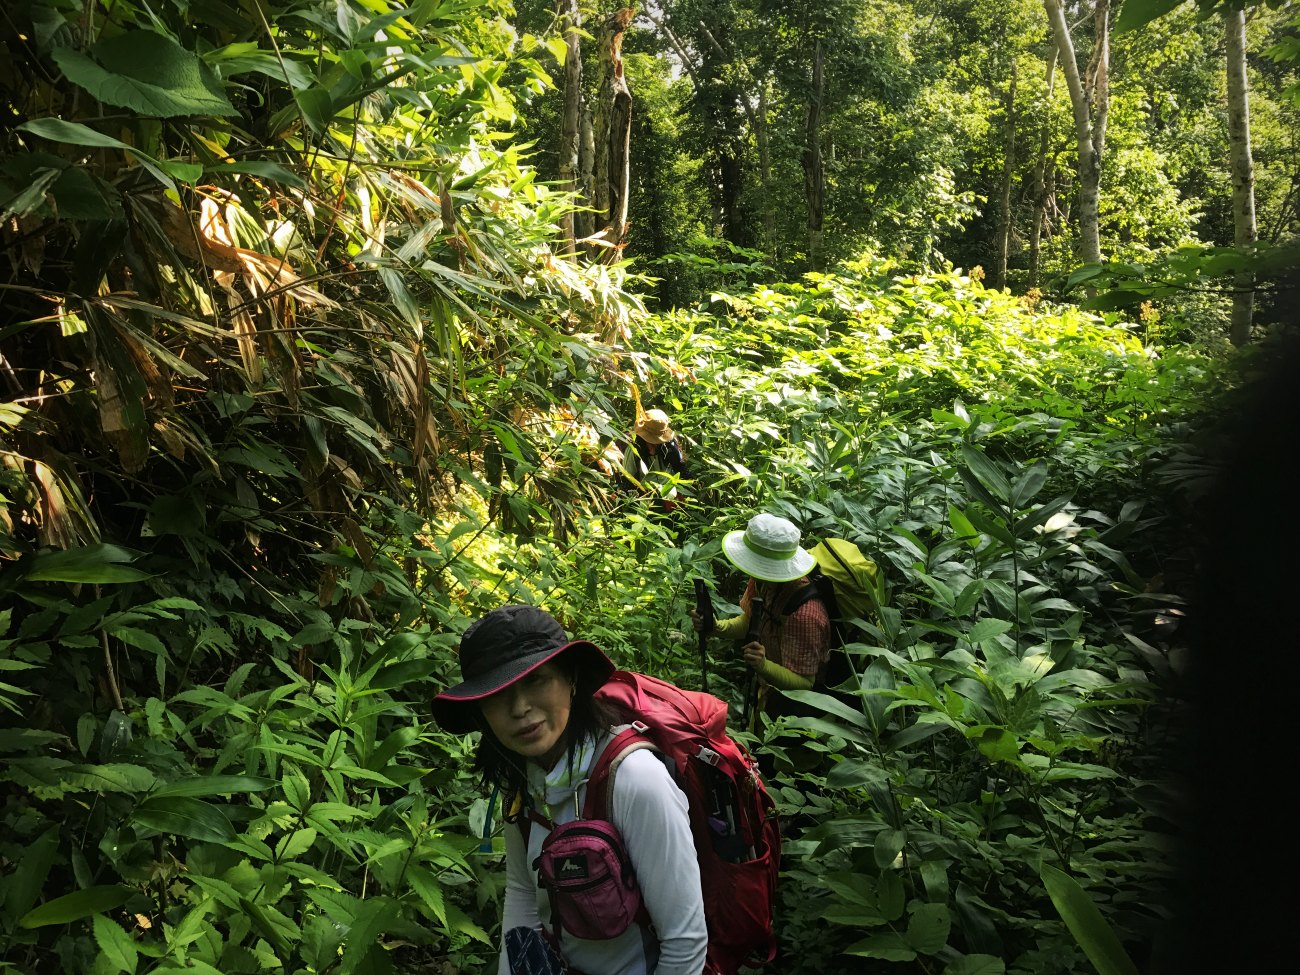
(650, 813)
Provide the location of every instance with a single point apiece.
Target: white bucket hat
(768, 549)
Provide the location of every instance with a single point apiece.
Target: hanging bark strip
(1244, 229)
(613, 132)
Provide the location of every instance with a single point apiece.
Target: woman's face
(530, 716)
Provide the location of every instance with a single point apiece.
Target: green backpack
(849, 586)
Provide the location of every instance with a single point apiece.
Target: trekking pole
(751, 685)
(704, 607)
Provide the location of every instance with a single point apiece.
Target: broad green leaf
(853, 773)
(373, 918)
(977, 965)
(889, 946)
(147, 73)
(295, 844)
(184, 816)
(928, 927)
(115, 945)
(963, 527)
(140, 639)
(890, 895)
(75, 906)
(998, 744)
(1096, 937)
(317, 108)
(987, 629)
(853, 888)
(889, 843)
(424, 883)
(1138, 13)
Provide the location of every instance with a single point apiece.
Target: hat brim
(761, 567)
(456, 709)
(668, 434)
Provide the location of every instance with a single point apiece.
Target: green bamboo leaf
(115, 945)
(987, 472)
(831, 706)
(213, 785)
(1029, 484)
(23, 886)
(266, 170)
(963, 527)
(184, 816)
(76, 134)
(1094, 935)
(93, 563)
(75, 906)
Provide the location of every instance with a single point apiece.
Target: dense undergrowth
(208, 770)
(297, 387)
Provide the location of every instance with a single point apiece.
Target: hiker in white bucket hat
(787, 651)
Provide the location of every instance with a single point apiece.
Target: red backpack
(733, 819)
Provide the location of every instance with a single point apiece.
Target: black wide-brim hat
(505, 645)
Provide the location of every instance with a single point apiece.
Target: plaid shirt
(800, 642)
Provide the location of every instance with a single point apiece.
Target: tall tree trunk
(571, 17)
(1040, 173)
(613, 131)
(585, 221)
(1243, 171)
(814, 183)
(765, 169)
(1090, 102)
(1008, 172)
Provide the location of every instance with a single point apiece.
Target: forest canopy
(323, 326)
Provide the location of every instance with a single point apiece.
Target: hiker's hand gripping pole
(704, 613)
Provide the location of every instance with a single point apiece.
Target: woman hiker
(787, 649)
(529, 690)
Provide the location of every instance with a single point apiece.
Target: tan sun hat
(653, 427)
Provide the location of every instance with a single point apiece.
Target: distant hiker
(532, 692)
(788, 652)
(651, 455)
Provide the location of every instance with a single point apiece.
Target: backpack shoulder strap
(816, 589)
(522, 814)
(599, 801)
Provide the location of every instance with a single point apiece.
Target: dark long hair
(588, 718)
